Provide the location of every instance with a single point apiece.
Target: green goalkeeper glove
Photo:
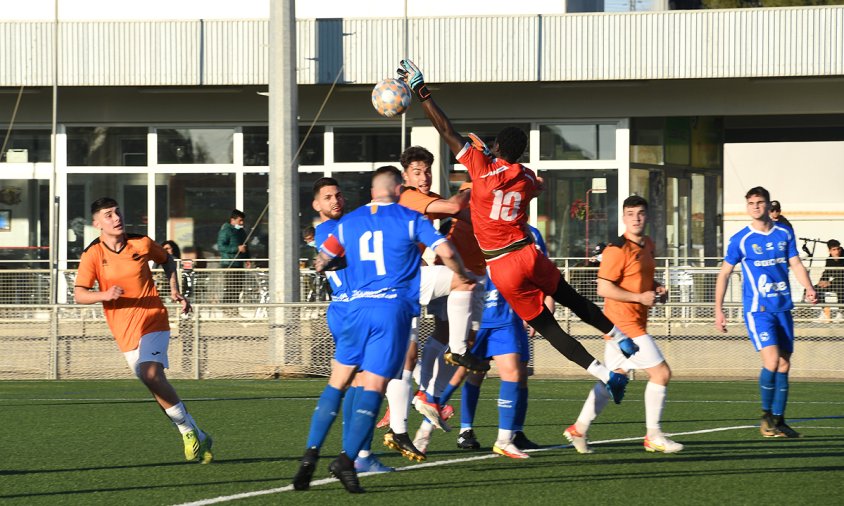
(411, 74)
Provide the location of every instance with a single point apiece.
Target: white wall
(806, 177)
(260, 9)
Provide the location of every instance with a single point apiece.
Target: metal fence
(235, 333)
(268, 340)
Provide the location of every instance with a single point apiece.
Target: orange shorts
(523, 277)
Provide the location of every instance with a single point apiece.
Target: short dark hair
(237, 213)
(416, 154)
(635, 201)
(832, 243)
(512, 142)
(308, 231)
(323, 182)
(388, 169)
(758, 191)
(103, 203)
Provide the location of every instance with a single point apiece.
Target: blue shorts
(511, 338)
(346, 347)
(382, 332)
(771, 329)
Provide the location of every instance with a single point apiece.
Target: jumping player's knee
(457, 285)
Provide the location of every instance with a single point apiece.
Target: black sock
(584, 308)
(546, 325)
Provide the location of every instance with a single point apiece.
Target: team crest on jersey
(781, 245)
(757, 249)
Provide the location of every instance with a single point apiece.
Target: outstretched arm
(413, 76)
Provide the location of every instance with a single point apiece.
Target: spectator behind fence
(776, 215)
(832, 279)
(231, 243)
(172, 248)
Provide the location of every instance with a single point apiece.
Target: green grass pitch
(106, 442)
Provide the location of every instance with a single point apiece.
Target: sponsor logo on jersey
(769, 262)
(770, 289)
(781, 245)
(757, 249)
(769, 246)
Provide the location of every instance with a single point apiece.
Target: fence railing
(269, 340)
(686, 284)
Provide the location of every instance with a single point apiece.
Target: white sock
(654, 402)
(598, 370)
(363, 454)
(504, 436)
(616, 334)
(430, 352)
(425, 428)
(398, 397)
(459, 310)
(181, 418)
(596, 401)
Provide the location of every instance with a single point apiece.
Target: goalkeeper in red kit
(502, 190)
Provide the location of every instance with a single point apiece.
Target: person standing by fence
(231, 241)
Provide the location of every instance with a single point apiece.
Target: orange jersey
(412, 198)
(139, 310)
(631, 267)
(462, 235)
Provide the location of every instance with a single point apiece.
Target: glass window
(195, 145)
(256, 148)
(646, 140)
(562, 216)
(106, 146)
(26, 146)
(130, 192)
(356, 187)
(196, 206)
(255, 200)
(577, 142)
(367, 145)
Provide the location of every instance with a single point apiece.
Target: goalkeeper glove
(411, 74)
(628, 347)
(480, 145)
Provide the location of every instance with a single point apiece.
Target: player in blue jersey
(502, 337)
(330, 204)
(766, 251)
(378, 243)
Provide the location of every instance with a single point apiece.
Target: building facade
(688, 109)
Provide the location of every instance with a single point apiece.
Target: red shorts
(523, 277)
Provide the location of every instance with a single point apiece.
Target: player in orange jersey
(119, 264)
(502, 190)
(626, 281)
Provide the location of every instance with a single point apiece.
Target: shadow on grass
(217, 462)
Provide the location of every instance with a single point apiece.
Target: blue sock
(780, 393)
(447, 393)
(766, 388)
(348, 409)
(367, 405)
(324, 415)
(469, 404)
(507, 403)
(521, 409)
(431, 398)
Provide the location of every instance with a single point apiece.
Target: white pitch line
(325, 481)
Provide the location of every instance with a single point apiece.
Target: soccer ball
(390, 97)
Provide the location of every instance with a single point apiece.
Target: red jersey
(500, 197)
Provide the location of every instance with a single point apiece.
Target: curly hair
(512, 143)
(416, 154)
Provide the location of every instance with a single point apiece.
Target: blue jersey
(382, 255)
(764, 262)
(337, 279)
(497, 312)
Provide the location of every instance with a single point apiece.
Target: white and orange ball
(391, 97)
